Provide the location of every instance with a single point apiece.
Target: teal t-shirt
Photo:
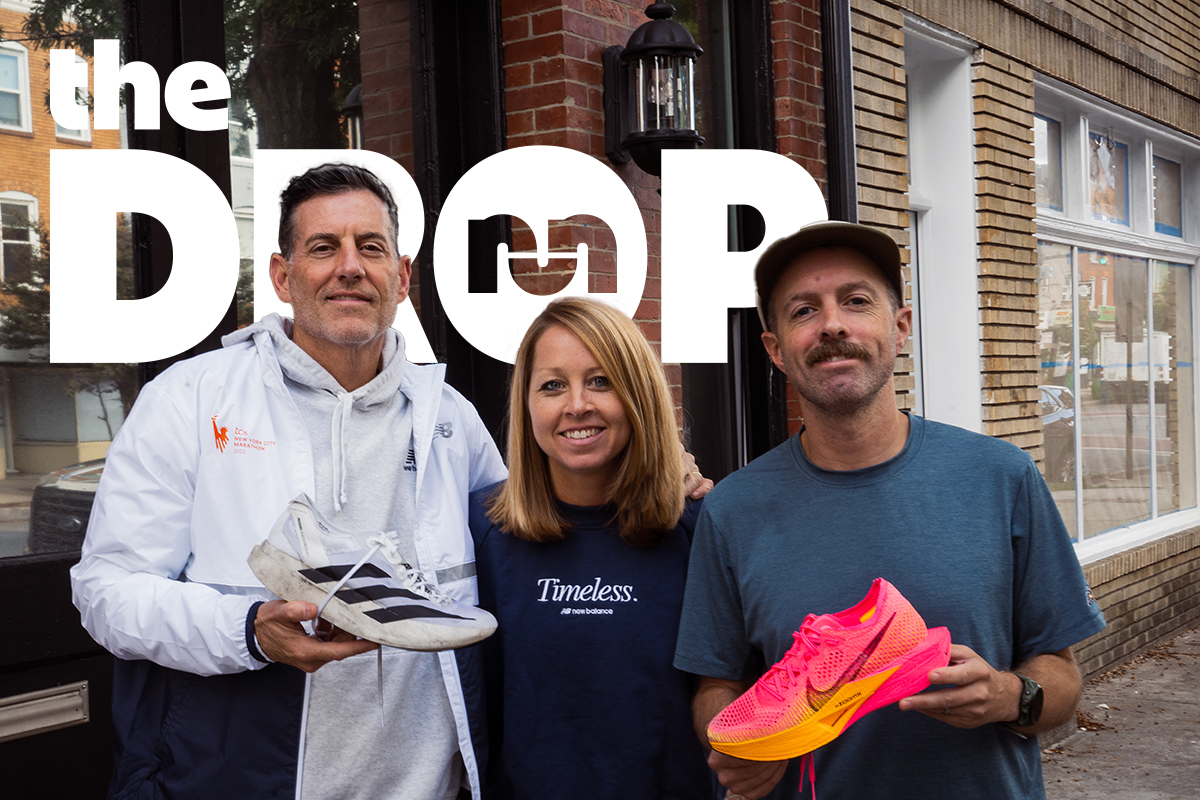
(962, 524)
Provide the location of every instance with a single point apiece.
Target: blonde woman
(582, 556)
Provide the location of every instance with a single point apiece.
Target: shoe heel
(912, 676)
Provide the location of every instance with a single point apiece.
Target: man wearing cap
(962, 524)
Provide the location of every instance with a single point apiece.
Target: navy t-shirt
(582, 699)
(962, 524)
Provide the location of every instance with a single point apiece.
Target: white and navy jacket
(212, 451)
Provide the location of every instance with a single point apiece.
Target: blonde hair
(647, 488)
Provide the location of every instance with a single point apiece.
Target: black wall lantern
(649, 97)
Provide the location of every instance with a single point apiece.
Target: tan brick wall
(25, 156)
(1158, 37)
(1002, 90)
(1139, 54)
(1148, 595)
(881, 134)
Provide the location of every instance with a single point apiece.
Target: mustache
(838, 348)
(355, 285)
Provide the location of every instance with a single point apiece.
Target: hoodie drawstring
(337, 441)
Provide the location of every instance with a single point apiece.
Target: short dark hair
(332, 178)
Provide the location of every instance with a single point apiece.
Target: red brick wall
(799, 88)
(385, 55)
(799, 105)
(25, 155)
(554, 96)
(386, 61)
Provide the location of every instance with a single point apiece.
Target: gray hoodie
(365, 481)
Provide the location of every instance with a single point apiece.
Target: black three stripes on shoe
(376, 592)
(380, 597)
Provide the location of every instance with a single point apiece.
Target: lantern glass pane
(664, 93)
(639, 92)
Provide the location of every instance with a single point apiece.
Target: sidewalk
(1140, 731)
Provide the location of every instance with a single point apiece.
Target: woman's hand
(695, 485)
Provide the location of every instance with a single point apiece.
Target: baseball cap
(874, 243)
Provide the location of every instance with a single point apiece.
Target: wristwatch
(1031, 703)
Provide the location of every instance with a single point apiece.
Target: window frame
(23, 88)
(1058, 124)
(1162, 227)
(30, 202)
(1079, 115)
(81, 135)
(947, 369)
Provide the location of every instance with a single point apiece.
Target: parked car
(61, 505)
(1058, 427)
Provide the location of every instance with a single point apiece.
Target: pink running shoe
(842, 667)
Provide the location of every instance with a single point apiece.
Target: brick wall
(1008, 288)
(385, 55)
(1148, 595)
(881, 134)
(385, 58)
(1139, 54)
(798, 81)
(1158, 37)
(554, 96)
(25, 155)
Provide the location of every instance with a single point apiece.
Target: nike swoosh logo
(816, 699)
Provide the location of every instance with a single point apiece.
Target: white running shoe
(371, 591)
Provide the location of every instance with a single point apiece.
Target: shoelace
(409, 577)
(808, 641)
(812, 774)
(388, 543)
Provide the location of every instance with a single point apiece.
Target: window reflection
(53, 417)
(1056, 392)
(1114, 414)
(1047, 159)
(1174, 388)
(1168, 215)
(1109, 175)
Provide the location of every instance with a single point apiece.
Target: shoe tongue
(825, 622)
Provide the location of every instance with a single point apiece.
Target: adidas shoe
(842, 667)
(371, 591)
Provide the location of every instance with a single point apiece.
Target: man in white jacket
(205, 704)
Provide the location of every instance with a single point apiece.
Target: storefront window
(56, 420)
(1115, 322)
(1114, 419)
(1174, 387)
(1119, 421)
(1168, 213)
(1047, 146)
(1108, 171)
(1056, 321)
